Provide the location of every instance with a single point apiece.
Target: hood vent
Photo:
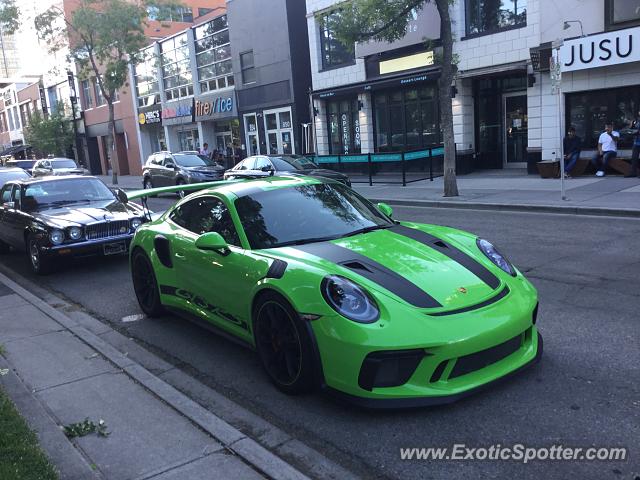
(355, 265)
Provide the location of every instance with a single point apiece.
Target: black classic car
(266, 165)
(53, 218)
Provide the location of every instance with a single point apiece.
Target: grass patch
(20, 455)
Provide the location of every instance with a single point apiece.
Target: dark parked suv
(164, 169)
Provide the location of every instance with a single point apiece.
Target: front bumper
(87, 248)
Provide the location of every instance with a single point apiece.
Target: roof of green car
(237, 188)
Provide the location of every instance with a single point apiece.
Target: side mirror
(267, 168)
(10, 205)
(122, 195)
(211, 241)
(386, 209)
(169, 165)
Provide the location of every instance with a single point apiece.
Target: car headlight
(56, 237)
(75, 233)
(496, 257)
(349, 300)
(135, 223)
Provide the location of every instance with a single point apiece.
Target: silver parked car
(57, 166)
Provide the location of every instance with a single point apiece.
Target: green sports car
(332, 292)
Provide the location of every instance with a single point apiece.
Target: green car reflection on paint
(333, 293)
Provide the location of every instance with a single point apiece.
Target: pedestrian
(205, 150)
(635, 152)
(607, 149)
(572, 145)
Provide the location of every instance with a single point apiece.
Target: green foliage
(20, 455)
(9, 16)
(53, 134)
(86, 427)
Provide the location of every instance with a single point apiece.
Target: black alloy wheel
(40, 264)
(283, 345)
(145, 284)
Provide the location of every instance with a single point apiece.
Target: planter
(549, 168)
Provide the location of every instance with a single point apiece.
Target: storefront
(216, 115)
(583, 65)
(181, 131)
(152, 136)
(269, 131)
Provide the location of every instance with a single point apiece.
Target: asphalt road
(585, 392)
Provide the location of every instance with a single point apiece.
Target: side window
(204, 215)
(249, 164)
(6, 194)
(262, 162)
(152, 160)
(168, 159)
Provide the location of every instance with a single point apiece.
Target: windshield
(22, 163)
(304, 214)
(188, 160)
(290, 163)
(12, 175)
(63, 164)
(61, 192)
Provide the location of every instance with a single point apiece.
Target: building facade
(272, 72)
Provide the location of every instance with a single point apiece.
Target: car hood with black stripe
(446, 272)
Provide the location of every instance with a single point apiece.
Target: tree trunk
(446, 105)
(113, 150)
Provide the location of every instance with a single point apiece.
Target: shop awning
(515, 67)
(378, 84)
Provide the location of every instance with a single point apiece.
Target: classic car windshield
(63, 164)
(291, 163)
(193, 161)
(66, 191)
(304, 214)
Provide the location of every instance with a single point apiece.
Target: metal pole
(560, 129)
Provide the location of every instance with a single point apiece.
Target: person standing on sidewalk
(572, 147)
(635, 152)
(607, 149)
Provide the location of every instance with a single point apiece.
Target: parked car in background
(9, 173)
(57, 166)
(56, 218)
(268, 165)
(26, 165)
(165, 169)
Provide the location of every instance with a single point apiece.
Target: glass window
(248, 68)
(262, 162)
(204, 11)
(334, 53)
(98, 93)
(213, 54)
(6, 194)
(344, 127)
(623, 11)
(176, 68)
(204, 215)
(86, 94)
(486, 16)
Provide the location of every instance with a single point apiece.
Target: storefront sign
(177, 112)
(150, 117)
(605, 49)
(213, 107)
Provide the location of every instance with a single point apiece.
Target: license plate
(114, 248)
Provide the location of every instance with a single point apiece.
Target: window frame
(97, 91)
(87, 99)
(483, 33)
(323, 29)
(217, 81)
(610, 24)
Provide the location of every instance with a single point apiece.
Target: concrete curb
(233, 439)
(555, 209)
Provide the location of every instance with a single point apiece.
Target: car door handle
(179, 256)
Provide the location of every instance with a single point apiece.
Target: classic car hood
(82, 214)
(389, 261)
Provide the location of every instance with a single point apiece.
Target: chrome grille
(107, 229)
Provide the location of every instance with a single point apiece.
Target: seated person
(607, 149)
(572, 146)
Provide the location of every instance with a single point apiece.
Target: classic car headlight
(75, 233)
(349, 300)
(135, 223)
(56, 237)
(496, 257)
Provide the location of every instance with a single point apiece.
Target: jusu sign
(605, 49)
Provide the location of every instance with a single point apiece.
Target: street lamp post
(556, 82)
(74, 100)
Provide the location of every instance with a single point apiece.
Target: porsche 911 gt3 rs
(332, 292)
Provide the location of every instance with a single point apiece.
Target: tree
(103, 37)
(387, 20)
(50, 135)
(9, 16)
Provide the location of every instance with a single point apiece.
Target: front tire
(40, 264)
(284, 346)
(181, 193)
(147, 184)
(145, 284)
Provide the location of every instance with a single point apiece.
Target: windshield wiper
(304, 241)
(366, 230)
(59, 203)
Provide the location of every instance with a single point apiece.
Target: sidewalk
(59, 373)
(502, 190)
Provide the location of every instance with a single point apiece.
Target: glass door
(515, 130)
(279, 131)
(253, 136)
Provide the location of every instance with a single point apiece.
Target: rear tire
(284, 346)
(145, 284)
(40, 264)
